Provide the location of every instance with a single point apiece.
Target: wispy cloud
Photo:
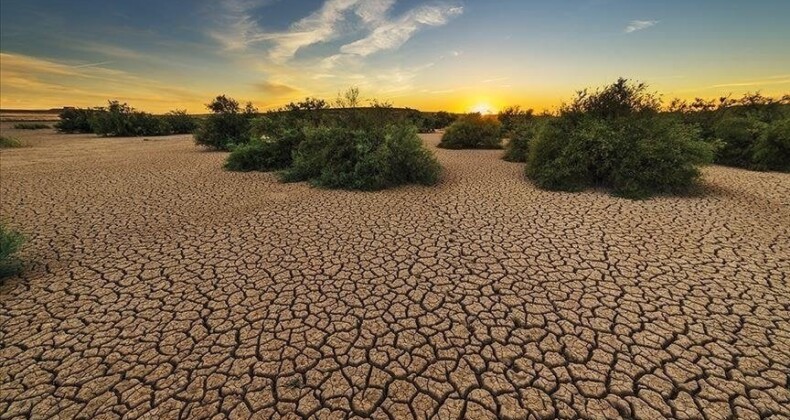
(774, 80)
(638, 25)
(330, 22)
(275, 89)
(393, 34)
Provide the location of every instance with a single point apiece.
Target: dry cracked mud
(159, 286)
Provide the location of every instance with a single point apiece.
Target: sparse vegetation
(473, 131)
(121, 120)
(513, 117)
(616, 138)
(75, 120)
(10, 243)
(228, 125)
(369, 158)
(737, 127)
(31, 126)
(9, 142)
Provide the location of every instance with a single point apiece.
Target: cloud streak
(638, 25)
(330, 22)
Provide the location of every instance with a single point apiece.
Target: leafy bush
(9, 142)
(121, 120)
(10, 242)
(179, 122)
(227, 126)
(75, 120)
(443, 119)
(737, 135)
(369, 158)
(513, 117)
(473, 131)
(521, 136)
(31, 126)
(772, 149)
(616, 138)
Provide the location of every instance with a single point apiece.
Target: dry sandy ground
(160, 286)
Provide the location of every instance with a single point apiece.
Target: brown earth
(157, 285)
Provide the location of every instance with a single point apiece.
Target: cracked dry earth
(159, 286)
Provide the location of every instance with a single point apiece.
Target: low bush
(772, 150)
(10, 243)
(31, 126)
(737, 136)
(9, 142)
(514, 117)
(179, 122)
(521, 136)
(615, 138)
(265, 153)
(473, 131)
(227, 125)
(75, 120)
(369, 158)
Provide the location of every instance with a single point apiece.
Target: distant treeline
(121, 120)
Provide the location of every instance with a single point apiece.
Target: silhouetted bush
(369, 158)
(9, 142)
(473, 131)
(772, 150)
(227, 125)
(513, 117)
(179, 122)
(443, 119)
(615, 138)
(10, 243)
(521, 136)
(121, 120)
(75, 120)
(30, 126)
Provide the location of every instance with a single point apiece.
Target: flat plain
(158, 285)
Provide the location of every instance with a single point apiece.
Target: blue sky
(450, 54)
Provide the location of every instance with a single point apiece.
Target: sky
(455, 55)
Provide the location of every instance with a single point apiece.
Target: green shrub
(369, 158)
(473, 131)
(615, 138)
(443, 119)
(513, 117)
(521, 136)
(10, 242)
(31, 126)
(9, 142)
(738, 136)
(179, 122)
(772, 149)
(271, 151)
(121, 120)
(75, 120)
(226, 126)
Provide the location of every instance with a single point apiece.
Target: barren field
(158, 285)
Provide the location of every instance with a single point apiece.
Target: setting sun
(483, 108)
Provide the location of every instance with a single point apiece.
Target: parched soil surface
(157, 285)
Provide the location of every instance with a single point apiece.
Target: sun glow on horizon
(483, 108)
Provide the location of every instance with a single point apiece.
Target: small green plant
(772, 150)
(473, 131)
(9, 142)
(227, 125)
(370, 158)
(10, 243)
(616, 138)
(31, 126)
